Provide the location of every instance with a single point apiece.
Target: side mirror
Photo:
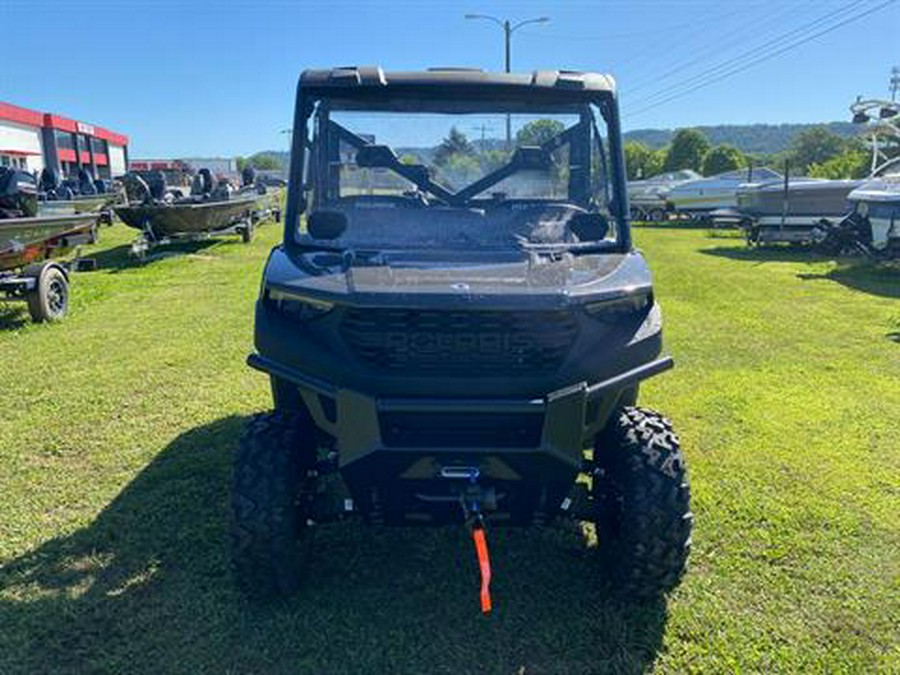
(589, 226)
(326, 224)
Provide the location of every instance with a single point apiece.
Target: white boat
(877, 203)
(648, 199)
(698, 198)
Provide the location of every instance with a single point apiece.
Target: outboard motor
(248, 176)
(136, 189)
(48, 183)
(207, 179)
(64, 191)
(158, 185)
(18, 194)
(86, 182)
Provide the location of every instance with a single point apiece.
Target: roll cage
(427, 91)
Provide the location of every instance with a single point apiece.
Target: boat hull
(804, 202)
(173, 220)
(28, 240)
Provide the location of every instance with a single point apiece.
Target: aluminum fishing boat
(211, 208)
(29, 241)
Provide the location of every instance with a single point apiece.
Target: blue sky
(217, 78)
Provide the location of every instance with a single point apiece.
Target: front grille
(455, 430)
(476, 343)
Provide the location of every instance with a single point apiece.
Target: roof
(373, 77)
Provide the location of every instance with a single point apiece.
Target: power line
(772, 43)
(755, 27)
(764, 57)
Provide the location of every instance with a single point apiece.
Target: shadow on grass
(120, 257)
(865, 277)
(859, 274)
(670, 225)
(761, 254)
(146, 588)
(13, 315)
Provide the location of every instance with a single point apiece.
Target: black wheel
(49, 300)
(271, 502)
(657, 215)
(642, 501)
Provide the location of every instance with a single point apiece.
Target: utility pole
(508, 30)
(483, 128)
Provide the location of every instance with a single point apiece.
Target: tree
(264, 162)
(539, 132)
(240, 163)
(723, 158)
(456, 143)
(853, 163)
(687, 151)
(641, 161)
(815, 146)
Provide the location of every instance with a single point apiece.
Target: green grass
(118, 427)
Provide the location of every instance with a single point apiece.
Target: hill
(752, 138)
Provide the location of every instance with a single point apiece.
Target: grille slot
(479, 343)
(470, 430)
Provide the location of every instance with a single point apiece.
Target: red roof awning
(19, 153)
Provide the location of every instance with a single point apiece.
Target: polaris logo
(427, 344)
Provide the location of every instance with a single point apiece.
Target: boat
(83, 195)
(789, 210)
(648, 199)
(211, 208)
(872, 224)
(29, 243)
(699, 198)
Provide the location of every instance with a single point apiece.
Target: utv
(457, 329)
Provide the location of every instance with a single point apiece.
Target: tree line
(816, 152)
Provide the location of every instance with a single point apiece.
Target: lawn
(118, 427)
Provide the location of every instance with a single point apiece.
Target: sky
(196, 78)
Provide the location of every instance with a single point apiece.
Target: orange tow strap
(484, 562)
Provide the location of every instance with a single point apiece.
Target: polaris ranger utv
(457, 329)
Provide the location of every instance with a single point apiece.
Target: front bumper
(562, 421)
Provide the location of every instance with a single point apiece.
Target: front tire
(642, 501)
(271, 502)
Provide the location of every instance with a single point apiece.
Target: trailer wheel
(49, 299)
(271, 503)
(642, 501)
(657, 215)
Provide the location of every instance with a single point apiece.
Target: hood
(409, 280)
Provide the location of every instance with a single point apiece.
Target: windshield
(479, 178)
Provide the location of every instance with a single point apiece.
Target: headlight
(296, 307)
(619, 309)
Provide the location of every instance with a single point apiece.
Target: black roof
(373, 77)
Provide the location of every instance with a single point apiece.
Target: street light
(508, 30)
